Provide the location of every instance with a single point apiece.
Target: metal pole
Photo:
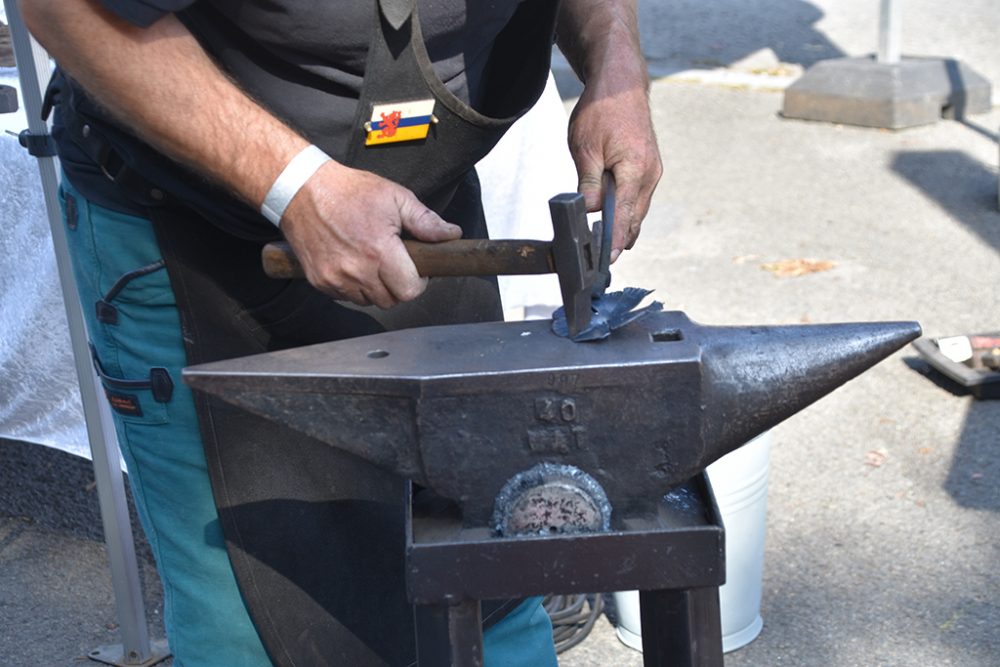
(890, 32)
(33, 72)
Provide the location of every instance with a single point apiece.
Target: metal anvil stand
(674, 556)
(547, 466)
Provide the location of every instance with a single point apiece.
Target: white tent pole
(890, 32)
(34, 71)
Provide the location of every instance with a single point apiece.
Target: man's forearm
(159, 82)
(611, 127)
(601, 37)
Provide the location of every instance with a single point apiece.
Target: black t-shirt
(303, 61)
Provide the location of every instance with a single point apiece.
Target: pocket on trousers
(141, 400)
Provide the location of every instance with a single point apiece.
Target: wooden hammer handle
(462, 257)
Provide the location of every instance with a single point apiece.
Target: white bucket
(739, 480)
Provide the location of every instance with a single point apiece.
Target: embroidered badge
(399, 121)
(125, 404)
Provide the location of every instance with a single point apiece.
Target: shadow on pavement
(830, 607)
(961, 185)
(979, 129)
(693, 34)
(56, 597)
(53, 490)
(49, 488)
(967, 190)
(971, 479)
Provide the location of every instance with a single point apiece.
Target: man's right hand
(344, 226)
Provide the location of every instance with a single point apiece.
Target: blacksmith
(191, 133)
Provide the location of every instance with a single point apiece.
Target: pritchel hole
(378, 354)
(668, 336)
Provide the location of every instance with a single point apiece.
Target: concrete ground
(884, 499)
(884, 504)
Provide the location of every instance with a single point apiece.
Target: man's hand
(610, 128)
(345, 225)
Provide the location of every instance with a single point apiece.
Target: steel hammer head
(575, 254)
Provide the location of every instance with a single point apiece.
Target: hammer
(573, 255)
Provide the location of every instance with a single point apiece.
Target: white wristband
(290, 181)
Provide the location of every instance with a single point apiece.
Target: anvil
(557, 458)
(465, 409)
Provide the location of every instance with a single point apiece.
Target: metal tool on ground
(8, 99)
(572, 255)
(518, 435)
(971, 362)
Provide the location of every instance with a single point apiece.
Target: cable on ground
(573, 617)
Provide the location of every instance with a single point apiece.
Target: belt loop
(161, 384)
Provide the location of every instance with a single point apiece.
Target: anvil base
(675, 557)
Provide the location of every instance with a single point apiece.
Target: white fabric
(39, 395)
(528, 167)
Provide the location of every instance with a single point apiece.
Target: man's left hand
(611, 130)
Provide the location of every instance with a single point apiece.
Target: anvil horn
(756, 377)
(463, 408)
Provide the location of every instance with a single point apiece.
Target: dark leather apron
(315, 535)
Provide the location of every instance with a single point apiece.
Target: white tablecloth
(39, 398)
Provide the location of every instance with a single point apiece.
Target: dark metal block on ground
(8, 99)
(863, 91)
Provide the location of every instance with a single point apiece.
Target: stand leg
(681, 628)
(450, 635)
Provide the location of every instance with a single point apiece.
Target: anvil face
(462, 409)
